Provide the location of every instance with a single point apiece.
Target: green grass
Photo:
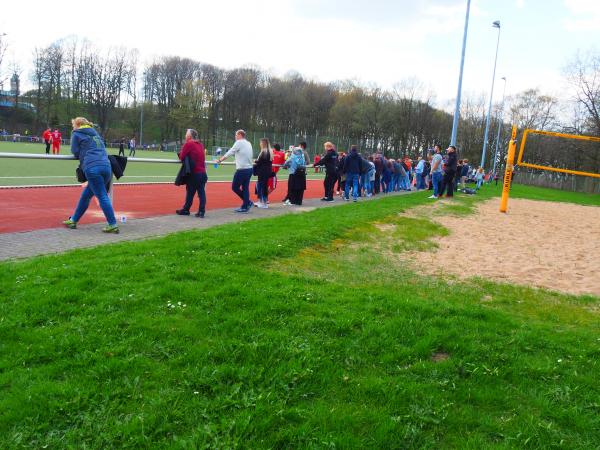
(301, 331)
(20, 172)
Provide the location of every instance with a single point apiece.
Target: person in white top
(242, 149)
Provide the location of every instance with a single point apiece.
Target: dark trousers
(121, 151)
(262, 189)
(377, 185)
(329, 184)
(448, 184)
(196, 183)
(132, 152)
(241, 186)
(47, 146)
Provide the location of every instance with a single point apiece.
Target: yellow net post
(510, 159)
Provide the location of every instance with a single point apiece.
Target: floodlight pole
(501, 119)
(460, 77)
(496, 24)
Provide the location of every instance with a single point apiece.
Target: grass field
(20, 172)
(301, 331)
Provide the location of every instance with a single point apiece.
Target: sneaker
(355, 200)
(257, 204)
(324, 199)
(111, 229)
(346, 199)
(329, 200)
(432, 196)
(200, 214)
(182, 212)
(263, 206)
(241, 210)
(251, 204)
(70, 224)
(287, 203)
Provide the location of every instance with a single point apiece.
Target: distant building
(9, 98)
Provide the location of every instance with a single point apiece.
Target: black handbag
(80, 174)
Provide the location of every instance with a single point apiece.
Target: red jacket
(46, 135)
(195, 150)
(278, 158)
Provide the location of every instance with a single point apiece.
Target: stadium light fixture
(460, 76)
(495, 24)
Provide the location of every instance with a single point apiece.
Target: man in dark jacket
(352, 169)
(330, 162)
(449, 172)
(378, 161)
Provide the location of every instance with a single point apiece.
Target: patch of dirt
(385, 227)
(542, 244)
(439, 356)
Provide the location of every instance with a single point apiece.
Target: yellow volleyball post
(510, 159)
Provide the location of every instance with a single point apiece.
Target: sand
(543, 244)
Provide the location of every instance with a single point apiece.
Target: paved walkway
(58, 240)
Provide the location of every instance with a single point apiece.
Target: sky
(379, 42)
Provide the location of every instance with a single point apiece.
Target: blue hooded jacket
(87, 146)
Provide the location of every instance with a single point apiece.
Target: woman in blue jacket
(88, 147)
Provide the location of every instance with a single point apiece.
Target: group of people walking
(354, 174)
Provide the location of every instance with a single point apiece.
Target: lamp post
(460, 76)
(496, 24)
(500, 120)
(142, 111)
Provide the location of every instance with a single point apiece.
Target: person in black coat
(263, 169)
(352, 168)
(449, 172)
(330, 162)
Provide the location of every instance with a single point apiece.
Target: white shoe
(287, 203)
(432, 196)
(263, 205)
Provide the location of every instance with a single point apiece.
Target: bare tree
(583, 73)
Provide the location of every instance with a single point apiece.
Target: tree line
(72, 77)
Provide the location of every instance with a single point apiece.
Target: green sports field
(314, 334)
(21, 172)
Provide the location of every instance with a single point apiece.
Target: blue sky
(371, 41)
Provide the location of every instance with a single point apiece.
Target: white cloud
(585, 15)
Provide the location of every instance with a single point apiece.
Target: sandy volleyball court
(543, 244)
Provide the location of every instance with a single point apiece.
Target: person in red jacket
(316, 161)
(278, 160)
(56, 137)
(197, 181)
(47, 137)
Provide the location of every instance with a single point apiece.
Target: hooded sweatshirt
(88, 148)
(296, 161)
(352, 163)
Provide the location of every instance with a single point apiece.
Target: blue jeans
(98, 177)
(241, 186)
(436, 179)
(352, 178)
(479, 183)
(407, 182)
(420, 181)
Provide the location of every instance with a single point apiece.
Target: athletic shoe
(111, 229)
(200, 214)
(329, 200)
(432, 196)
(251, 204)
(70, 224)
(287, 203)
(346, 199)
(182, 212)
(324, 199)
(242, 210)
(263, 206)
(355, 200)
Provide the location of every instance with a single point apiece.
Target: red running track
(27, 209)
